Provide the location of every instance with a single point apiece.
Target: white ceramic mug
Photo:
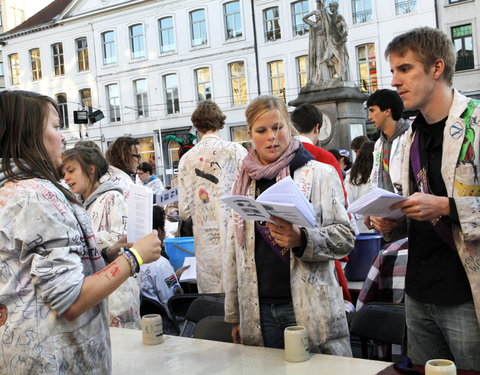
(152, 329)
(440, 367)
(296, 344)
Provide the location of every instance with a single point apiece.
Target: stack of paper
(190, 274)
(283, 199)
(377, 203)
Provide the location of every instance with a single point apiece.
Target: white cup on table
(152, 329)
(296, 344)
(440, 367)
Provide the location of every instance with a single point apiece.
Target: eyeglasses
(136, 156)
(140, 173)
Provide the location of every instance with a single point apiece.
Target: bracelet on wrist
(135, 268)
(137, 256)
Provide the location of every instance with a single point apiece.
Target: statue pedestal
(343, 113)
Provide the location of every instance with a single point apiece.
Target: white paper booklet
(190, 274)
(283, 199)
(140, 212)
(377, 202)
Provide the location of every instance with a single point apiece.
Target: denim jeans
(274, 318)
(450, 332)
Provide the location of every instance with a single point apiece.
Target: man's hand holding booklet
(283, 199)
(377, 203)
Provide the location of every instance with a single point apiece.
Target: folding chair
(381, 322)
(213, 328)
(203, 306)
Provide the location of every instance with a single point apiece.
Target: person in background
(357, 143)
(278, 274)
(53, 281)
(440, 179)
(148, 179)
(357, 180)
(159, 282)
(206, 173)
(83, 168)
(123, 156)
(344, 161)
(308, 120)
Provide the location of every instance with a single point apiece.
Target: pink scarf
(253, 169)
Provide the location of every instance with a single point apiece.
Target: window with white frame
(271, 24)
(63, 108)
(82, 54)
(108, 48)
(367, 67)
(362, 10)
(35, 64)
(463, 41)
(140, 89)
(86, 99)
(14, 68)
(299, 10)
(233, 19)
(198, 27)
(58, 62)
(203, 84)
(238, 83)
(137, 41)
(302, 65)
(113, 100)
(167, 35)
(170, 89)
(2, 73)
(405, 6)
(277, 78)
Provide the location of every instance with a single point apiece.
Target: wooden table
(181, 355)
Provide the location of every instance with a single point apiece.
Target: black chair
(381, 322)
(203, 306)
(150, 306)
(213, 328)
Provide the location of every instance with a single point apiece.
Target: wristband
(131, 260)
(137, 256)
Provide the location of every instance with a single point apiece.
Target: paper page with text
(377, 202)
(140, 212)
(190, 274)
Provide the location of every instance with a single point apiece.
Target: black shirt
(435, 273)
(273, 273)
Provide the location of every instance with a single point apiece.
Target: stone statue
(328, 56)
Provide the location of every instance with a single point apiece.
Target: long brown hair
(119, 154)
(22, 124)
(87, 156)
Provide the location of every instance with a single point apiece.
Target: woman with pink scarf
(280, 275)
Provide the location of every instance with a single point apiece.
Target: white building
(146, 63)
(460, 19)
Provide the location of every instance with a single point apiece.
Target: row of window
(238, 87)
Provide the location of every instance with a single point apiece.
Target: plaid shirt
(386, 279)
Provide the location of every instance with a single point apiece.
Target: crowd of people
(67, 272)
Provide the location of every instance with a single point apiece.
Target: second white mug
(440, 367)
(296, 344)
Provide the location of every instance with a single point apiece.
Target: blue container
(367, 246)
(179, 248)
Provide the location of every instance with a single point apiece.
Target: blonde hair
(429, 45)
(265, 103)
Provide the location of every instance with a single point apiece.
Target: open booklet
(377, 202)
(283, 199)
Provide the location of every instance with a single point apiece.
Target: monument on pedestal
(328, 86)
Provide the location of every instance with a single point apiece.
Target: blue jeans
(274, 318)
(450, 332)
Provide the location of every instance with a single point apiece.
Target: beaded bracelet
(137, 256)
(131, 259)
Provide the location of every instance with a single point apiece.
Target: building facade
(145, 64)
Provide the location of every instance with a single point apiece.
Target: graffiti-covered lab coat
(461, 175)
(205, 173)
(316, 296)
(47, 248)
(108, 210)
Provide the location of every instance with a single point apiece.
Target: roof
(46, 17)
